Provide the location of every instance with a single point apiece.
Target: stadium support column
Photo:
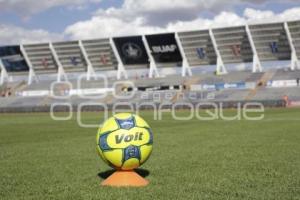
(186, 69)
(294, 59)
(220, 64)
(4, 74)
(61, 71)
(121, 69)
(256, 62)
(90, 69)
(153, 68)
(31, 74)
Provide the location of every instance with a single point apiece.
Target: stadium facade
(173, 62)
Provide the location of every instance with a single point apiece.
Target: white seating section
(100, 54)
(219, 46)
(41, 58)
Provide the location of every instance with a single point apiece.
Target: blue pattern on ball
(131, 152)
(126, 123)
(103, 142)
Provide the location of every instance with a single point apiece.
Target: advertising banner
(220, 86)
(282, 83)
(34, 93)
(238, 85)
(131, 50)
(91, 91)
(13, 59)
(294, 104)
(250, 85)
(208, 87)
(196, 87)
(164, 48)
(223, 86)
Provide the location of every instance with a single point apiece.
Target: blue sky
(32, 21)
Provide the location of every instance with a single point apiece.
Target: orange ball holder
(125, 179)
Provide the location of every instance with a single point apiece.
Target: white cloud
(161, 12)
(222, 20)
(99, 27)
(109, 23)
(15, 35)
(268, 16)
(225, 19)
(140, 17)
(29, 7)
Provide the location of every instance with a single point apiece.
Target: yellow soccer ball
(125, 141)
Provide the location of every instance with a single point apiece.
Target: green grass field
(45, 159)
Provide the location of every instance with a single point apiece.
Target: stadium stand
(201, 42)
(100, 54)
(41, 58)
(286, 75)
(28, 71)
(70, 56)
(277, 93)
